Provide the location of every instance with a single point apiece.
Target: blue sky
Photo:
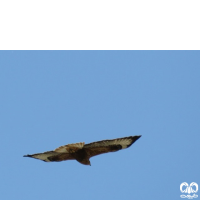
(53, 98)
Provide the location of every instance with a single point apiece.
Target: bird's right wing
(59, 154)
(50, 156)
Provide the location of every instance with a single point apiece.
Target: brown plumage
(83, 152)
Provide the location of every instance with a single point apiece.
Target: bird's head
(86, 162)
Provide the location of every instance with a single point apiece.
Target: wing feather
(106, 146)
(43, 156)
(61, 157)
(69, 148)
(124, 142)
(49, 156)
(94, 151)
(59, 154)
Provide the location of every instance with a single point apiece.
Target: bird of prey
(83, 152)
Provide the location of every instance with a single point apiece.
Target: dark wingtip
(27, 155)
(134, 138)
(138, 136)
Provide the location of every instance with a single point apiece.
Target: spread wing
(61, 153)
(106, 146)
(49, 156)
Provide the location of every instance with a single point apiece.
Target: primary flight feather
(83, 152)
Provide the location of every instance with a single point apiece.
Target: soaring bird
(83, 152)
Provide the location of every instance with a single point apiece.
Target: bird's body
(83, 152)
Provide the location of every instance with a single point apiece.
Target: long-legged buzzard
(83, 152)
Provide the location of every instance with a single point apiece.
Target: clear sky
(53, 98)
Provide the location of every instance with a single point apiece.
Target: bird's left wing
(106, 146)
